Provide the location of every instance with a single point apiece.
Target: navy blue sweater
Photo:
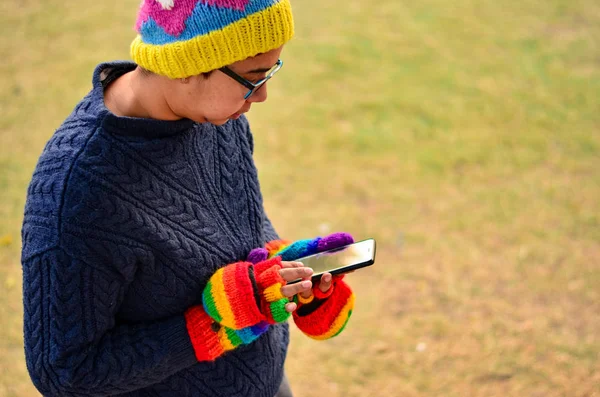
(126, 219)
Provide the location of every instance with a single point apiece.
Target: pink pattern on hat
(172, 19)
(239, 5)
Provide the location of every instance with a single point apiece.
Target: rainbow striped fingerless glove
(241, 295)
(325, 315)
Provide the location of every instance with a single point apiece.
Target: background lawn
(464, 136)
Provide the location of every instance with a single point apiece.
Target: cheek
(224, 105)
(217, 103)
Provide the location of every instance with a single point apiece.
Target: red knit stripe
(204, 340)
(241, 296)
(323, 295)
(266, 308)
(259, 268)
(320, 321)
(269, 277)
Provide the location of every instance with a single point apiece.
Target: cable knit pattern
(125, 222)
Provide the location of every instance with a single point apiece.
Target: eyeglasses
(252, 87)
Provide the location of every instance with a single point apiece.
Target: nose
(260, 95)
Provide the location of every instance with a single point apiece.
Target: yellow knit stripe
(275, 253)
(221, 301)
(224, 340)
(257, 33)
(305, 301)
(273, 293)
(339, 322)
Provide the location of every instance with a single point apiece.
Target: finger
(290, 307)
(325, 283)
(293, 289)
(294, 273)
(306, 294)
(287, 265)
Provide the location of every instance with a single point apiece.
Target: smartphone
(340, 260)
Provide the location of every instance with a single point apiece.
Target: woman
(149, 265)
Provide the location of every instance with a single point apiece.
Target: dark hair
(145, 72)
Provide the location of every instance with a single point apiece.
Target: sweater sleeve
(74, 345)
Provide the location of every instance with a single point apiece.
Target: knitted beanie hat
(182, 38)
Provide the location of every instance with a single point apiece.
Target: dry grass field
(464, 136)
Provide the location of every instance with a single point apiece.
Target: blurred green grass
(464, 136)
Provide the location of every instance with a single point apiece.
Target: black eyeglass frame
(252, 87)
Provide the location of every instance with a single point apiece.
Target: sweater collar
(130, 126)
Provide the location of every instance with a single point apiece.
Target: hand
(324, 285)
(293, 250)
(292, 271)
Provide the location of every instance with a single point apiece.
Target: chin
(218, 123)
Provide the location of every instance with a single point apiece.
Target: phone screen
(354, 255)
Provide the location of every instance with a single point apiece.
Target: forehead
(260, 61)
